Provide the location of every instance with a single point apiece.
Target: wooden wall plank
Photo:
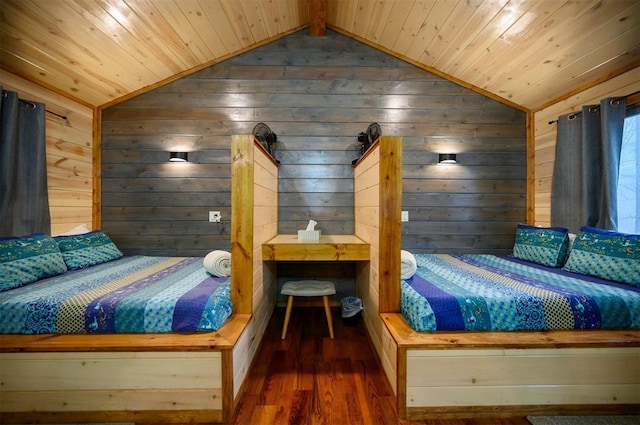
(242, 223)
(316, 94)
(390, 202)
(367, 227)
(254, 288)
(113, 400)
(377, 198)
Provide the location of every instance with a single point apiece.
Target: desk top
(328, 248)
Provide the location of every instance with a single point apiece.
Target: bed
(553, 327)
(95, 290)
(503, 293)
(137, 294)
(456, 373)
(122, 359)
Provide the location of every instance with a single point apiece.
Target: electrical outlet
(214, 216)
(404, 216)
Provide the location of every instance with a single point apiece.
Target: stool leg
(327, 310)
(287, 315)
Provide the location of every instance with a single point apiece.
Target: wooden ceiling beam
(317, 17)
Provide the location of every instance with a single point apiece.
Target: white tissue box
(309, 235)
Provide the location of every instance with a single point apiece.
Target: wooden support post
(317, 17)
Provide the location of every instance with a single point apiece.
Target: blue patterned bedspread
(136, 294)
(486, 292)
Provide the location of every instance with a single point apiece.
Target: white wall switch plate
(404, 216)
(214, 216)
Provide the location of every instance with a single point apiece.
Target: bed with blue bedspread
(136, 294)
(82, 284)
(535, 289)
(493, 293)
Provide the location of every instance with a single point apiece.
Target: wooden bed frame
(490, 374)
(158, 378)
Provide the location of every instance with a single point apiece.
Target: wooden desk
(328, 248)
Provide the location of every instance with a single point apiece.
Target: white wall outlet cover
(404, 216)
(214, 216)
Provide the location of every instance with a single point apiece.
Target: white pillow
(78, 230)
(572, 239)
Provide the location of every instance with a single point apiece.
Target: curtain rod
(64, 117)
(613, 100)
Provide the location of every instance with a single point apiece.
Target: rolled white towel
(218, 263)
(408, 264)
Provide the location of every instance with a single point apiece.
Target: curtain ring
(614, 102)
(30, 105)
(594, 109)
(571, 116)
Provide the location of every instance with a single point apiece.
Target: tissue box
(309, 235)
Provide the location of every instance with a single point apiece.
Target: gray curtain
(24, 202)
(585, 172)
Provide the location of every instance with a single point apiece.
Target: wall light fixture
(447, 158)
(178, 156)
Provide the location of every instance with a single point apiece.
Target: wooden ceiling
(528, 53)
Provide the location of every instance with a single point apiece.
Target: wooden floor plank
(309, 378)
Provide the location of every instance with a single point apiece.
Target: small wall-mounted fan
(369, 136)
(266, 137)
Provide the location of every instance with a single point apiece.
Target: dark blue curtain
(24, 201)
(585, 172)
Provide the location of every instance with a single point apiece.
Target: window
(629, 178)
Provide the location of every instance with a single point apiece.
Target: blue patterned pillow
(87, 249)
(27, 259)
(606, 254)
(548, 246)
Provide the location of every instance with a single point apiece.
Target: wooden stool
(308, 288)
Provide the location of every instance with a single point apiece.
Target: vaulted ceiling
(528, 53)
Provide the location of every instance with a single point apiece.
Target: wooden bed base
(492, 374)
(158, 378)
(440, 375)
(120, 377)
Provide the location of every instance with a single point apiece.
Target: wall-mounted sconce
(447, 158)
(178, 156)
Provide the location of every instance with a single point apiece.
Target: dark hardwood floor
(311, 379)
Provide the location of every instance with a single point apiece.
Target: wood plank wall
(545, 134)
(69, 153)
(317, 94)
(377, 178)
(255, 187)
